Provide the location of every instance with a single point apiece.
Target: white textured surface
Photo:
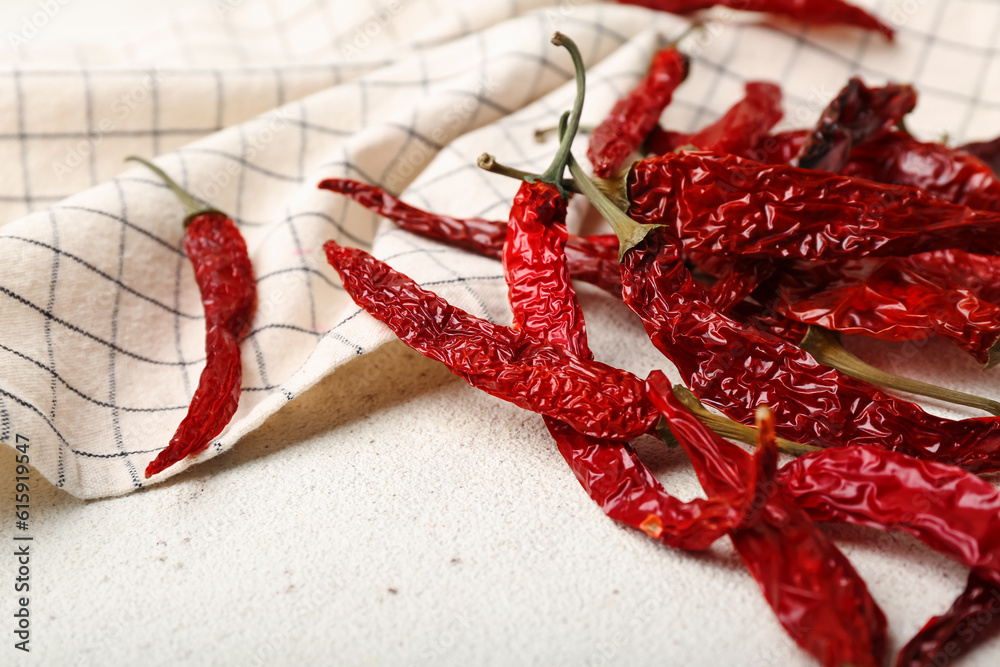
(390, 474)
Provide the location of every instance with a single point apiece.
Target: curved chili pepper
(950, 510)
(636, 114)
(592, 259)
(735, 368)
(892, 301)
(858, 114)
(987, 151)
(505, 363)
(946, 173)
(225, 279)
(738, 131)
(545, 305)
(737, 208)
(818, 597)
(818, 12)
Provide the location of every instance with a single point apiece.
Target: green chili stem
(727, 428)
(542, 134)
(630, 233)
(490, 164)
(553, 175)
(191, 206)
(825, 347)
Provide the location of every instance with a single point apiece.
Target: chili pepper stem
(630, 233)
(553, 175)
(542, 134)
(191, 206)
(824, 345)
(728, 428)
(490, 164)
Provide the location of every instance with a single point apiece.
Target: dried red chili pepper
(892, 301)
(735, 368)
(505, 363)
(858, 114)
(972, 619)
(950, 510)
(544, 305)
(818, 12)
(946, 173)
(814, 591)
(735, 208)
(738, 131)
(987, 151)
(636, 114)
(592, 259)
(224, 275)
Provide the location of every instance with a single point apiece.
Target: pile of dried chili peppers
(745, 253)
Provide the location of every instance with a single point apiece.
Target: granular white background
(389, 514)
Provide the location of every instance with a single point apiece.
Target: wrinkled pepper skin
(956, 269)
(592, 259)
(818, 597)
(952, 511)
(499, 360)
(225, 278)
(736, 368)
(738, 131)
(817, 12)
(892, 300)
(539, 290)
(858, 114)
(735, 208)
(946, 173)
(635, 115)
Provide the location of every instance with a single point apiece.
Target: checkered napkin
(249, 105)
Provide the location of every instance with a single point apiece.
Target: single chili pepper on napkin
(636, 114)
(858, 114)
(818, 12)
(738, 131)
(592, 259)
(735, 208)
(987, 151)
(818, 597)
(735, 367)
(891, 300)
(499, 360)
(225, 278)
(950, 510)
(946, 173)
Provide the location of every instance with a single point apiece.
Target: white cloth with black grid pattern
(101, 327)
